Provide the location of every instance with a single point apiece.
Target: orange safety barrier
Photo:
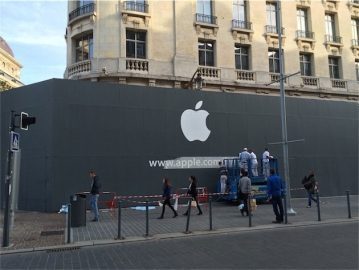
(107, 199)
(201, 191)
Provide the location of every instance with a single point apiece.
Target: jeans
(94, 206)
(277, 203)
(310, 198)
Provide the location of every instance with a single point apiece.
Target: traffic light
(26, 120)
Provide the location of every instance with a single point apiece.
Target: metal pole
(318, 207)
(210, 213)
(285, 209)
(119, 221)
(6, 228)
(147, 220)
(68, 223)
(249, 210)
(290, 210)
(348, 203)
(188, 215)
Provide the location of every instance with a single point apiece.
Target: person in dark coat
(167, 198)
(95, 194)
(192, 190)
(310, 185)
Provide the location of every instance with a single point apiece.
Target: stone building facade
(233, 44)
(9, 68)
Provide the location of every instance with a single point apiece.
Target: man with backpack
(310, 185)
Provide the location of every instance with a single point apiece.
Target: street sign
(14, 141)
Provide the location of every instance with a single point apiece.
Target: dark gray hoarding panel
(119, 129)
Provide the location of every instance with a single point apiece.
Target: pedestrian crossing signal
(26, 121)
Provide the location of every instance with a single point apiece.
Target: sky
(35, 31)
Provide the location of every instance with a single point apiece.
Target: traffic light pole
(6, 229)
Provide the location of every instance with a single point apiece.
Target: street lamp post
(198, 82)
(290, 210)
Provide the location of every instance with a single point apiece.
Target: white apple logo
(193, 124)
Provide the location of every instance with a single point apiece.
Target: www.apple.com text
(190, 163)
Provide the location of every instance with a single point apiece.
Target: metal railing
(334, 39)
(273, 29)
(80, 67)
(355, 42)
(242, 24)
(336, 83)
(304, 34)
(311, 81)
(136, 65)
(206, 18)
(244, 75)
(83, 10)
(275, 77)
(134, 6)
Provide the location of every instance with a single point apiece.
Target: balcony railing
(244, 75)
(136, 65)
(242, 24)
(272, 29)
(134, 6)
(339, 83)
(80, 67)
(275, 77)
(209, 72)
(83, 10)
(311, 81)
(304, 34)
(334, 39)
(206, 18)
(355, 42)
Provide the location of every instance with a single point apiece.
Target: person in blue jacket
(275, 191)
(167, 198)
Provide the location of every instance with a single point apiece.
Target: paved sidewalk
(226, 218)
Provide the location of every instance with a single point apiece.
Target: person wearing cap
(244, 157)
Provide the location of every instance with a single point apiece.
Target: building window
(330, 27)
(82, 3)
(135, 44)
(204, 7)
(302, 24)
(355, 32)
(271, 17)
(84, 48)
(239, 10)
(357, 68)
(136, 5)
(334, 69)
(273, 57)
(206, 53)
(241, 57)
(305, 64)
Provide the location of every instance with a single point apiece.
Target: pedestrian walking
(253, 162)
(95, 194)
(275, 191)
(311, 186)
(166, 195)
(192, 190)
(244, 188)
(265, 162)
(223, 177)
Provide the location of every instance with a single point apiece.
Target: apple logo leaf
(199, 105)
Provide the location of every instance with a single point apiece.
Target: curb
(178, 235)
